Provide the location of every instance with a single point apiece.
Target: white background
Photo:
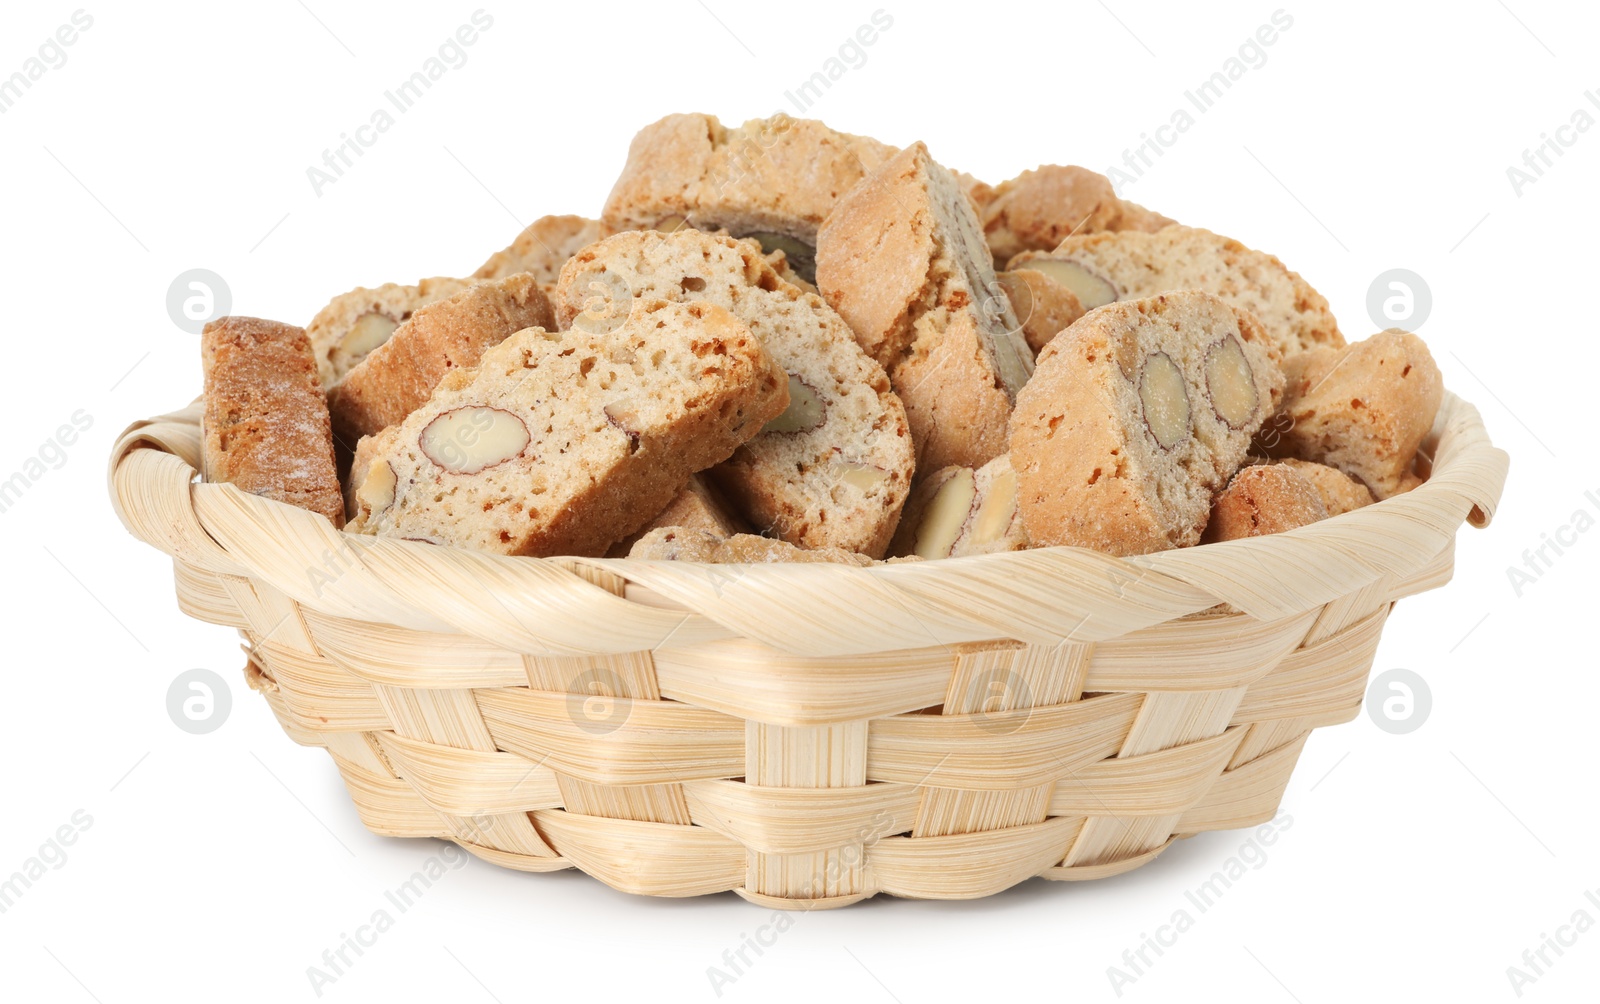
(1375, 136)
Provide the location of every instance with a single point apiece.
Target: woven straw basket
(804, 735)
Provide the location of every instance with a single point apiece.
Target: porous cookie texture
(832, 470)
(355, 323)
(772, 179)
(678, 543)
(1039, 209)
(1340, 493)
(696, 507)
(1264, 499)
(1363, 409)
(563, 442)
(541, 249)
(1137, 414)
(959, 511)
(902, 259)
(1044, 307)
(266, 424)
(398, 376)
(1129, 265)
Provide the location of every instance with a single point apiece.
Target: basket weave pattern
(804, 735)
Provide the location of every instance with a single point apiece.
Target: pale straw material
(805, 735)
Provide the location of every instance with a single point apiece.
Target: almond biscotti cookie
(679, 543)
(1261, 500)
(836, 467)
(1038, 209)
(1128, 265)
(958, 511)
(563, 442)
(770, 179)
(1340, 493)
(541, 249)
(1136, 415)
(1044, 307)
(1363, 409)
(397, 377)
(696, 507)
(355, 323)
(266, 425)
(902, 259)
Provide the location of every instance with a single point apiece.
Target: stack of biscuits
(783, 343)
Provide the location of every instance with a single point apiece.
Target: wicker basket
(804, 735)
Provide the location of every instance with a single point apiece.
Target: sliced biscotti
(355, 323)
(1130, 265)
(1039, 209)
(696, 507)
(679, 543)
(561, 443)
(771, 179)
(1136, 415)
(1340, 493)
(958, 511)
(1363, 409)
(397, 377)
(1044, 307)
(902, 259)
(541, 249)
(265, 424)
(835, 468)
(1261, 500)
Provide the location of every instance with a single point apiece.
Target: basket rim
(153, 480)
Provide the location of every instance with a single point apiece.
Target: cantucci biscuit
(1039, 209)
(696, 507)
(1044, 307)
(1137, 414)
(541, 249)
(958, 511)
(678, 543)
(355, 323)
(902, 259)
(772, 179)
(564, 442)
(1363, 409)
(265, 426)
(835, 468)
(1340, 493)
(1264, 499)
(1130, 265)
(397, 377)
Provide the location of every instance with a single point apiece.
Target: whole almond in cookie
(959, 511)
(562, 443)
(902, 259)
(353, 324)
(1128, 265)
(1125, 433)
(835, 468)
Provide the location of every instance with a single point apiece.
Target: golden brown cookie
(1263, 499)
(564, 442)
(696, 507)
(1363, 409)
(1136, 415)
(1044, 307)
(397, 377)
(355, 323)
(266, 425)
(902, 259)
(1340, 492)
(1038, 209)
(541, 249)
(959, 511)
(1128, 265)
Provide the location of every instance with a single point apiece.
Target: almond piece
(369, 331)
(863, 476)
(1165, 400)
(470, 440)
(376, 492)
(1092, 289)
(946, 515)
(997, 510)
(1231, 383)
(806, 409)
